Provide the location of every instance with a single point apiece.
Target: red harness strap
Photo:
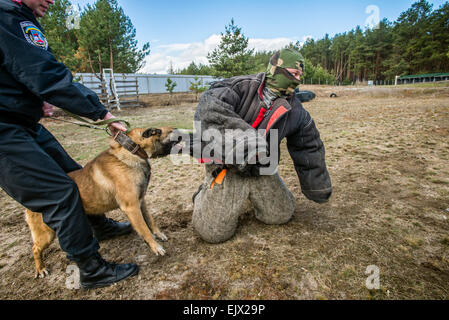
(279, 112)
(259, 118)
(262, 111)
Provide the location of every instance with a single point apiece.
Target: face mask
(282, 84)
(278, 79)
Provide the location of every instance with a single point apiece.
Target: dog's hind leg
(42, 238)
(151, 222)
(135, 216)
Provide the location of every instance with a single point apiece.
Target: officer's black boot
(97, 273)
(105, 228)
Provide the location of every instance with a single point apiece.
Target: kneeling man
(246, 118)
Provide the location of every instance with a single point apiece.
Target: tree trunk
(348, 74)
(92, 66)
(111, 58)
(342, 66)
(377, 64)
(100, 62)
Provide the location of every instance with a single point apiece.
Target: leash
(82, 125)
(94, 125)
(120, 137)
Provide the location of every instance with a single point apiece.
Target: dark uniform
(33, 164)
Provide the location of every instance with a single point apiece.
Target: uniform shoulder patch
(34, 35)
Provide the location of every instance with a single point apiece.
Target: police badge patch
(34, 35)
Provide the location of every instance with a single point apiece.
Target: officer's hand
(48, 109)
(114, 127)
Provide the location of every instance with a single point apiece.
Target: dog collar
(130, 145)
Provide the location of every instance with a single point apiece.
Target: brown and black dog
(115, 179)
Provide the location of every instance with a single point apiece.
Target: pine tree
(193, 69)
(380, 44)
(260, 61)
(107, 39)
(197, 87)
(170, 85)
(232, 57)
(416, 43)
(439, 34)
(61, 36)
(412, 36)
(170, 68)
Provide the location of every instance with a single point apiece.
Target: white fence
(147, 83)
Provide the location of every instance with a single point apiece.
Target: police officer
(33, 164)
(265, 102)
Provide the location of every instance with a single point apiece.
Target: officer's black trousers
(33, 167)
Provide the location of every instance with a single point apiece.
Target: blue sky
(181, 31)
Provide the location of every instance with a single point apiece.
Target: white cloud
(304, 39)
(269, 44)
(182, 54)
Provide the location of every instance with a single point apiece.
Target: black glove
(253, 169)
(250, 170)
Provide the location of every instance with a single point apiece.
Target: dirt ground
(387, 152)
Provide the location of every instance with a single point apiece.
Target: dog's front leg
(151, 222)
(135, 216)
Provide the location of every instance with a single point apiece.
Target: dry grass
(165, 99)
(388, 157)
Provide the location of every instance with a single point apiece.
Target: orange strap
(219, 179)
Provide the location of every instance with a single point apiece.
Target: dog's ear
(151, 132)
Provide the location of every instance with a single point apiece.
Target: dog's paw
(161, 236)
(41, 274)
(158, 250)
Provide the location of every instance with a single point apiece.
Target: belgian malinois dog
(117, 178)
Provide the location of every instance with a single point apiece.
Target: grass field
(388, 156)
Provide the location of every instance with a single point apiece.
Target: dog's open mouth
(174, 143)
